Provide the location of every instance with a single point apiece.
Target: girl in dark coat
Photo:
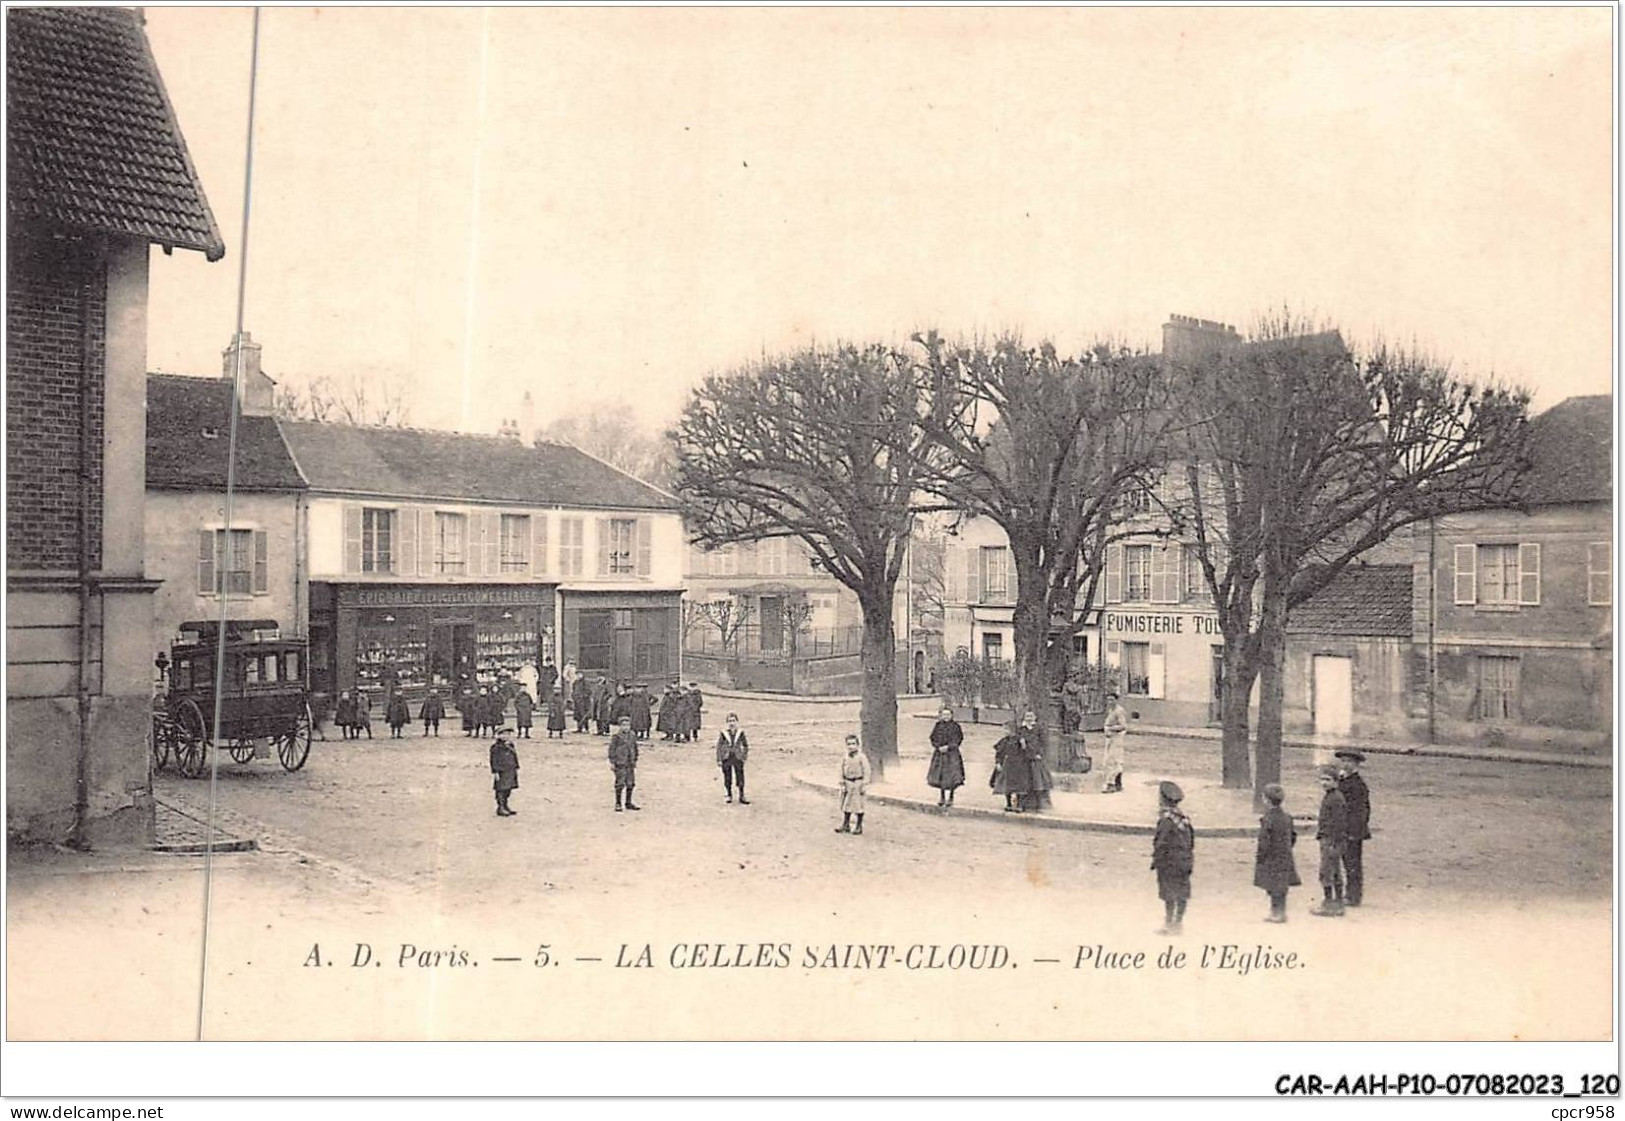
(555, 714)
(1014, 754)
(344, 714)
(432, 712)
(1274, 870)
(1173, 856)
(947, 771)
(523, 708)
(505, 768)
(397, 715)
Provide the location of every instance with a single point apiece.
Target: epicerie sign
(1157, 623)
(396, 597)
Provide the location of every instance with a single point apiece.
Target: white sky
(664, 192)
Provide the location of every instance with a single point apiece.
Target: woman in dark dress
(947, 771)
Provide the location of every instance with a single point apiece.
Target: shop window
(1497, 687)
(377, 540)
(1137, 669)
(450, 544)
(570, 549)
(515, 543)
(1137, 573)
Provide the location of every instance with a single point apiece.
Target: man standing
(623, 759)
(697, 701)
(548, 680)
(1114, 729)
(581, 701)
(732, 749)
(1331, 830)
(601, 696)
(1357, 797)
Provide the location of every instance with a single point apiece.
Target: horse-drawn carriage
(264, 701)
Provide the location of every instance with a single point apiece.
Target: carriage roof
(241, 634)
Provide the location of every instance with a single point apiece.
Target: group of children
(1342, 827)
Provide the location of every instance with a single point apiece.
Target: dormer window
(210, 432)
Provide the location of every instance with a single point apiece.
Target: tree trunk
(1031, 620)
(1271, 694)
(1239, 672)
(879, 716)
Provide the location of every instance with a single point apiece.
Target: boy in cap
(1274, 870)
(1357, 796)
(1331, 830)
(1173, 855)
(505, 768)
(623, 758)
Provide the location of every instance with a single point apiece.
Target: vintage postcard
(814, 525)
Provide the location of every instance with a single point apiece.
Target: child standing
(397, 715)
(523, 710)
(1173, 857)
(505, 766)
(555, 714)
(432, 712)
(854, 785)
(947, 770)
(1274, 870)
(623, 758)
(1331, 830)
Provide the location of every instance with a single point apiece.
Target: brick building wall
(53, 288)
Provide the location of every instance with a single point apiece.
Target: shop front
(414, 637)
(1171, 662)
(626, 636)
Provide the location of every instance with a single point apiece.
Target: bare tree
(729, 617)
(375, 398)
(798, 612)
(603, 433)
(823, 445)
(1045, 446)
(1306, 456)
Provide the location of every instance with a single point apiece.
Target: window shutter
(473, 547)
(1114, 574)
(425, 520)
(981, 573)
(953, 575)
(645, 566)
(403, 552)
(493, 542)
(1156, 669)
(1163, 566)
(352, 537)
(262, 568)
(205, 563)
(973, 574)
(1466, 573)
(747, 558)
(538, 544)
(1009, 576)
(1529, 575)
(603, 546)
(1599, 573)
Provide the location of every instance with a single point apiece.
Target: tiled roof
(1571, 453)
(91, 138)
(182, 456)
(1366, 600)
(420, 463)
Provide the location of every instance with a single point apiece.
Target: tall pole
(469, 298)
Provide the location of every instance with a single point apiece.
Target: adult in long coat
(602, 695)
(665, 723)
(1357, 796)
(1042, 782)
(1173, 856)
(1274, 869)
(1331, 830)
(696, 702)
(947, 770)
(523, 711)
(505, 769)
(640, 712)
(432, 712)
(581, 702)
(549, 680)
(623, 760)
(555, 714)
(1015, 754)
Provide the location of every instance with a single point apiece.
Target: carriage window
(271, 668)
(251, 671)
(292, 673)
(182, 675)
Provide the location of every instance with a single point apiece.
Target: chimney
(508, 429)
(258, 389)
(1188, 339)
(527, 418)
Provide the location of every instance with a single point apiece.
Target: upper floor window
(515, 543)
(1136, 501)
(1600, 573)
(1501, 575)
(1137, 573)
(622, 540)
(377, 540)
(725, 561)
(233, 563)
(450, 544)
(771, 556)
(1195, 578)
(995, 574)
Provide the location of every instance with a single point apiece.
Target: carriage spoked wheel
(293, 745)
(242, 751)
(191, 740)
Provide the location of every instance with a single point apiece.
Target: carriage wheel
(191, 740)
(242, 751)
(293, 746)
(158, 739)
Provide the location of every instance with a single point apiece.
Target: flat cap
(1351, 756)
(1171, 791)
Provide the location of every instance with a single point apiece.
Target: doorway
(772, 616)
(1333, 699)
(451, 657)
